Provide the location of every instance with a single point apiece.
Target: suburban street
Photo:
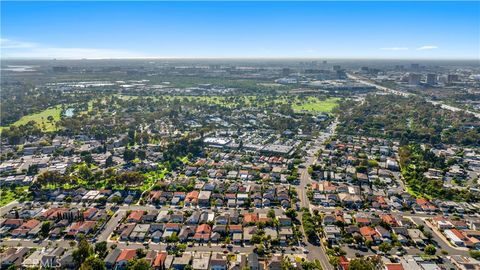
(315, 252)
(6, 208)
(438, 238)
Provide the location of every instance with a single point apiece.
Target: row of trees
(407, 119)
(89, 257)
(415, 161)
(56, 179)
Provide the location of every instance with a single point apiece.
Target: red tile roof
(126, 255)
(367, 231)
(136, 215)
(394, 266)
(250, 217)
(160, 259)
(32, 223)
(204, 228)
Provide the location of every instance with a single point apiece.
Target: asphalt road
(6, 208)
(315, 252)
(111, 225)
(440, 241)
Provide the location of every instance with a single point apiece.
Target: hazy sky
(241, 29)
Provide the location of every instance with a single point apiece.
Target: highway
(405, 94)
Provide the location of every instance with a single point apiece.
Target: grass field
(41, 119)
(314, 104)
(8, 195)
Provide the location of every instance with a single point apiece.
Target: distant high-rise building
(341, 74)
(286, 71)
(60, 69)
(415, 67)
(414, 79)
(431, 79)
(337, 67)
(451, 78)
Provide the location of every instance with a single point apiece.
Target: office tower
(414, 79)
(451, 78)
(60, 69)
(431, 79)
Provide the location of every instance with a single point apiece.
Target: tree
(85, 173)
(109, 161)
(430, 250)
(130, 178)
(271, 213)
(286, 264)
(101, 249)
(93, 263)
(128, 155)
(142, 154)
(361, 264)
(32, 170)
(83, 251)
(385, 247)
(291, 213)
(311, 265)
(427, 234)
(87, 158)
(140, 253)
(256, 239)
(173, 238)
(52, 177)
(475, 254)
(45, 229)
(12, 267)
(260, 250)
(368, 243)
(358, 238)
(138, 264)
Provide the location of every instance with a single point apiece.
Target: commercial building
(431, 79)
(414, 79)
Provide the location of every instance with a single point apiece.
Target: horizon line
(239, 58)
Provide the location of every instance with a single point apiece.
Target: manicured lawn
(41, 119)
(7, 195)
(152, 178)
(416, 194)
(314, 104)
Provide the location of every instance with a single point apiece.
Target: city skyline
(381, 30)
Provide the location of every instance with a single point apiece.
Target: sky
(382, 30)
